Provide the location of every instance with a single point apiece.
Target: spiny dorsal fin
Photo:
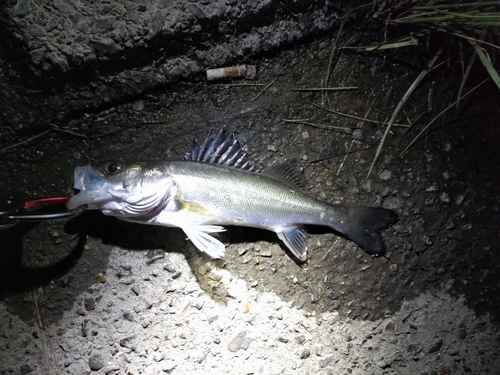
(288, 172)
(220, 149)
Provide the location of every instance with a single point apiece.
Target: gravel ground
(100, 296)
(148, 315)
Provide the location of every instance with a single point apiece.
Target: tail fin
(365, 226)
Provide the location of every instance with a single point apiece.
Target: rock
(305, 354)
(199, 304)
(157, 21)
(25, 369)
(129, 342)
(89, 303)
(96, 362)
(105, 46)
(197, 12)
(240, 341)
(127, 315)
(22, 8)
(325, 362)
(385, 175)
(357, 134)
(138, 105)
(435, 347)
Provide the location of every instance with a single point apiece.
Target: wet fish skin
(200, 196)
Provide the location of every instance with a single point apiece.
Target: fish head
(119, 189)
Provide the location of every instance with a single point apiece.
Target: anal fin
(295, 239)
(201, 238)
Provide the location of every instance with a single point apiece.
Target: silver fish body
(201, 196)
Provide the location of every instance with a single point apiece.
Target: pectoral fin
(295, 239)
(201, 238)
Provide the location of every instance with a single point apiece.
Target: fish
(215, 186)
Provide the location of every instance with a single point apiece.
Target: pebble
(96, 362)
(305, 354)
(385, 175)
(199, 304)
(240, 341)
(89, 303)
(128, 342)
(357, 134)
(139, 105)
(435, 347)
(127, 315)
(325, 362)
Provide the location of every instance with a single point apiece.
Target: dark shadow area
(15, 276)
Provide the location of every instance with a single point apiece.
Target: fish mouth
(88, 190)
(84, 198)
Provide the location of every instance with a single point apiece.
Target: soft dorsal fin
(220, 149)
(289, 173)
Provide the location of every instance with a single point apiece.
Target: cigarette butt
(239, 71)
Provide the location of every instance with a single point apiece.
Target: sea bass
(215, 186)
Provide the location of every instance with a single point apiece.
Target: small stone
(96, 362)
(300, 339)
(158, 357)
(127, 315)
(101, 278)
(305, 135)
(266, 253)
(385, 175)
(199, 304)
(81, 311)
(128, 342)
(462, 334)
(25, 369)
(357, 134)
(89, 303)
(240, 341)
(435, 347)
(444, 197)
(427, 240)
(138, 105)
(283, 339)
(272, 148)
(305, 354)
(325, 362)
(246, 307)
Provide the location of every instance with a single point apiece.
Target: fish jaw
(91, 189)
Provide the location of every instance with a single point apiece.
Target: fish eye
(112, 168)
